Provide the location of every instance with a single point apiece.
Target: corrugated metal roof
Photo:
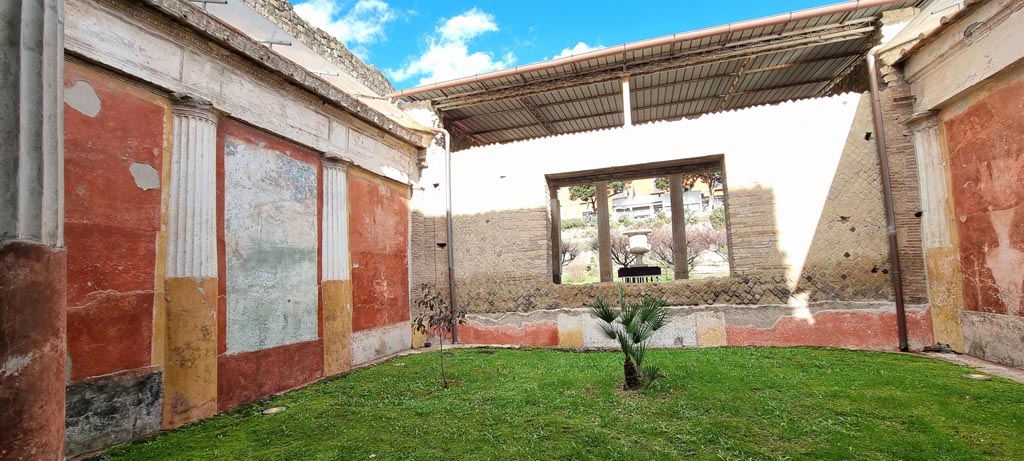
(800, 55)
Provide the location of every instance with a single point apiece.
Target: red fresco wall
(851, 329)
(379, 245)
(986, 149)
(537, 334)
(248, 376)
(111, 224)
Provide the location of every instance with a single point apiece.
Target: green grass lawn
(725, 403)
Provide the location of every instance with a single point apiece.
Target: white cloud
(448, 56)
(361, 25)
(580, 48)
(467, 25)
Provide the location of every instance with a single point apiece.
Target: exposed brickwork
(503, 246)
(896, 107)
(849, 255)
(753, 233)
(280, 12)
(429, 261)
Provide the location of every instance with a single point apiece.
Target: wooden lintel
(648, 170)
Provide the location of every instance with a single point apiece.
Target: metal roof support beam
(627, 108)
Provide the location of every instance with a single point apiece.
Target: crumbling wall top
(281, 13)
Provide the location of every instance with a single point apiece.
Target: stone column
(941, 252)
(32, 257)
(604, 236)
(556, 236)
(336, 286)
(190, 369)
(675, 187)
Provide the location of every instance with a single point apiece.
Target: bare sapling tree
(436, 316)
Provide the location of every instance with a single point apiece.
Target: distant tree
(586, 192)
(662, 249)
(570, 250)
(713, 178)
(718, 218)
(619, 248)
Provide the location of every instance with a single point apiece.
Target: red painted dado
(986, 149)
(111, 224)
(544, 333)
(248, 376)
(379, 245)
(851, 329)
(110, 332)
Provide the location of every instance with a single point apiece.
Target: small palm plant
(632, 325)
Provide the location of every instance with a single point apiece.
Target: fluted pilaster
(336, 286)
(335, 222)
(191, 288)
(192, 209)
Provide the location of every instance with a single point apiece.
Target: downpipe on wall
(890, 214)
(448, 221)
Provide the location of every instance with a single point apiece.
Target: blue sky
(416, 42)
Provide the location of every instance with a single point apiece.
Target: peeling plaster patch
(14, 364)
(83, 98)
(146, 177)
(1006, 262)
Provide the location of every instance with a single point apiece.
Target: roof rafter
(656, 106)
(542, 121)
(617, 95)
(735, 83)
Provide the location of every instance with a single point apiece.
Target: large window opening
(627, 224)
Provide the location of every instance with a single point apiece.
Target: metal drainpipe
(890, 214)
(448, 219)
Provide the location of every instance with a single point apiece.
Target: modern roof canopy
(802, 54)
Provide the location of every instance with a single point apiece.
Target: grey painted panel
(270, 221)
